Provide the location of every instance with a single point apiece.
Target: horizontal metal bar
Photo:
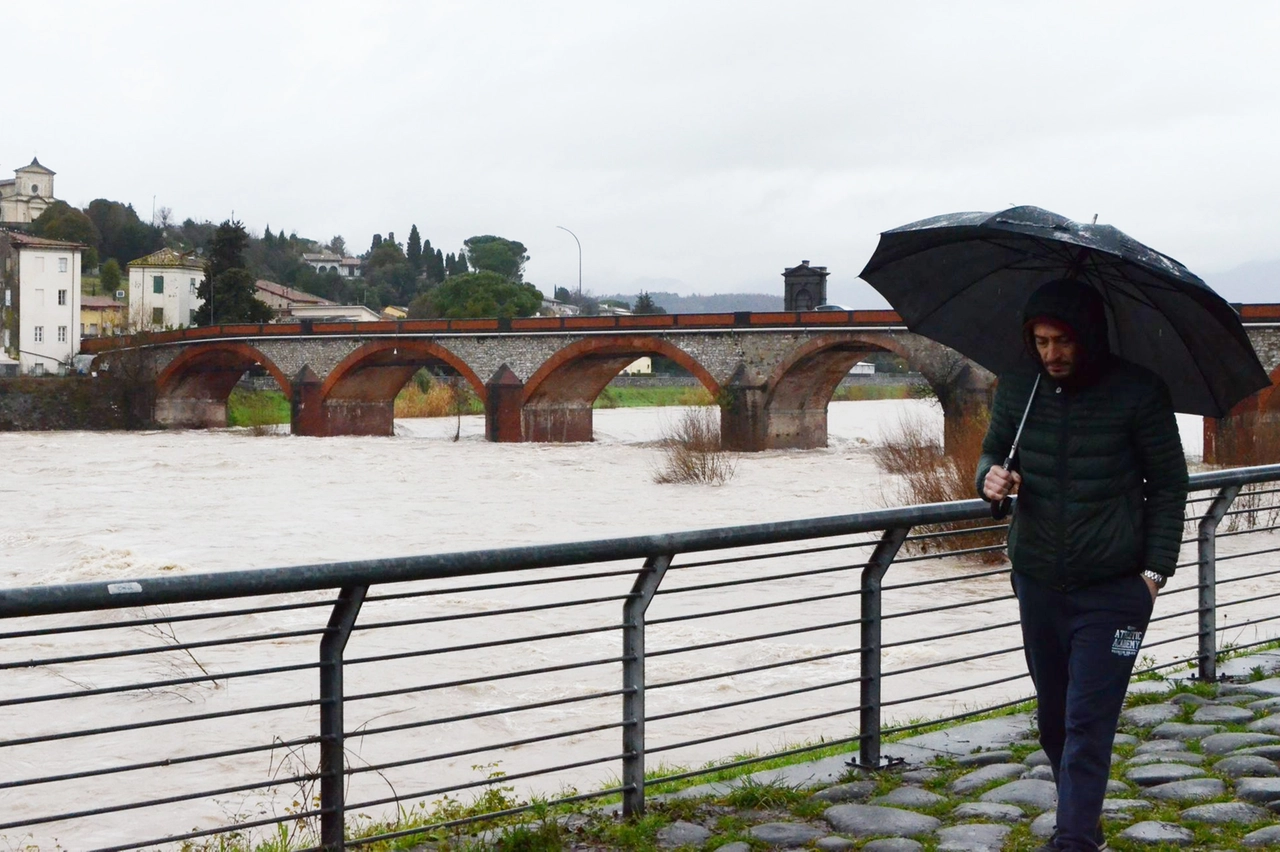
(768, 578)
(944, 692)
(470, 681)
(968, 714)
(223, 829)
(488, 782)
(1239, 624)
(481, 749)
(157, 723)
(751, 761)
(164, 619)
(756, 729)
(951, 662)
(715, 613)
(474, 646)
(156, 684)
(492, 587)
(1248, 531)
(946, 607)
(935, 637)
(755, 699)
(467, 616)
(742, 640)
(929, 536)
(481, 714)
(151, 803)
(773, 554)
(156, 764)
(958, 578)
(1180, 638)
(1237, 648)
(1240, 601)
(685, 681)
(944, 554)
(160, 649)
(1264, 552)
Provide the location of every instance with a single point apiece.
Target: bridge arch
(192, 389)
(801, 386)
(358, 395)
(556, 404)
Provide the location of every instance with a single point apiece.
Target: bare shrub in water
(928, 474)
(691, 450)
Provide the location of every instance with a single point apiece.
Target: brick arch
(211, 370)
(580, 371)
(810, 373)
(377, 370)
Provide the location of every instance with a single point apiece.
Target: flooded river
(92, 507)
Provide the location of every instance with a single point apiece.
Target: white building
(162, 290)
(26, 195)
(327, 261)
(40, 280)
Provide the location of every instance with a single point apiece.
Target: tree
(228, 288)
(338, 245)
(563, 295)
(110, 276)
(484, 294)
(122, 234)
(437, 267)
(646, 305)
(413, 249)
(377, 241)
(505, 257)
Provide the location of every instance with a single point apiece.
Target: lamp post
(579, 242)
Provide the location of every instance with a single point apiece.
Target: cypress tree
(413, 249)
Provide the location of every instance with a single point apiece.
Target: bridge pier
(1248, 435)
(502, 416)
(186, 412)
(744, 420)
(557, 421)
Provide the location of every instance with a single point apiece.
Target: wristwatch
(1155, 577)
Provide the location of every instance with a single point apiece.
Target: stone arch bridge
(772, 374)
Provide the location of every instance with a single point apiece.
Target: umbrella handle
(1000, 508)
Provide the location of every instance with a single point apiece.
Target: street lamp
(579, 242)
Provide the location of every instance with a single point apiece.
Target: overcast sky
(694, 146)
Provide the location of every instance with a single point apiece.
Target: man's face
(1057, 349)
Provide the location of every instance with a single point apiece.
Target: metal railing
(185, 710)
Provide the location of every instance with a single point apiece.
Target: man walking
(1102, 482)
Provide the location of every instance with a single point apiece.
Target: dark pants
(1081, 646)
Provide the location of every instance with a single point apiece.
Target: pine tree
(413, 250)
(228, 288)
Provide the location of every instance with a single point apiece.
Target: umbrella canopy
(964, 278)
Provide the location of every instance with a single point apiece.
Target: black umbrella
(963, 279)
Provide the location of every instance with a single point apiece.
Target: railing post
(869, 716)
(1208, 580)
(633, 610)
(332, 745)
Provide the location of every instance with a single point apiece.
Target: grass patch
(257, 409)
(429, 396)
(862, 393)
(652, 397)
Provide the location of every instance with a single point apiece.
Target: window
(62, 334)
(193, 318)
(38, 334)
(157, 284)
(62, 264)
(157, 316)
(35, 189)
(62, 297)
(193, 286)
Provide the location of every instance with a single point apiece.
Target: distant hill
(1257, 281)
(674, 303)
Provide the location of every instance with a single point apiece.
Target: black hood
(1079, 307)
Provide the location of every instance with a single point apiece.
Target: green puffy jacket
(1104, 479)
